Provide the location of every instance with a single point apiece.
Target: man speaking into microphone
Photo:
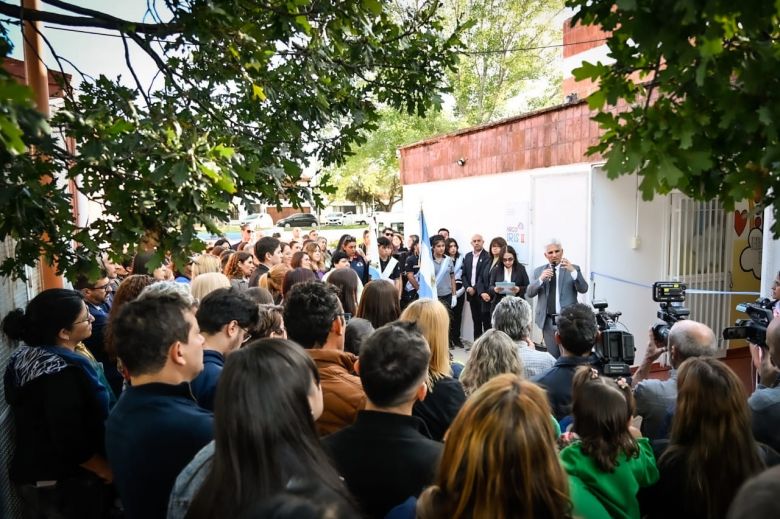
(556, 284)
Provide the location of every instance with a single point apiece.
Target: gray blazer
(567, 291)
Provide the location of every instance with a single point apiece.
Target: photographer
(655, 398)
(765, 401)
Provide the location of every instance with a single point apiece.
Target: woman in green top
(610, 461)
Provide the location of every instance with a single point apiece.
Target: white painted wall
(615, 207)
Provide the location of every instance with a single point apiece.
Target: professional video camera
(614, 352)
(670, 295)
(753, 329)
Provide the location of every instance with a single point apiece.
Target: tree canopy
(500, 59)
(703, 117)
(509, 45)
(371, 175)
(252, 93)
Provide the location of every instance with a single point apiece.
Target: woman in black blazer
(509, 270)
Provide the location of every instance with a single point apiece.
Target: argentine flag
(427, 276)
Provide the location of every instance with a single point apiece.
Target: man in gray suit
(556, 284)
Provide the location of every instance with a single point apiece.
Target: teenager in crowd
(59, 405)
(379, 303)
(265, 442)
(203, 284)
(411, 269)
(453, 252)
(499, 459)
(347, 283)
(317, 261)
(445, 393)
(273, 281)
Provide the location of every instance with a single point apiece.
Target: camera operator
(765, 401)
(656, 398)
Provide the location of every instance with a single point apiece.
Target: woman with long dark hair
(510, 270)
(499, 459)
(59, 402)
(496, 249)
(711, 450)
(451, 250)
(379, 303)
(265, 441)
(346, 280)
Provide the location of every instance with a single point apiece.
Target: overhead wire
(466, 52)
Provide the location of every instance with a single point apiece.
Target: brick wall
(552, 137)
(580, 38)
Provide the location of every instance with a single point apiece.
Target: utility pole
(37, 79)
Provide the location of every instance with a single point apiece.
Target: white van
(258, 221)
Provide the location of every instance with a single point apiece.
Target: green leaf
(258, 93)
(669, 172)
(596, 100)
(304, 24)
(373, 6)
(179, 173)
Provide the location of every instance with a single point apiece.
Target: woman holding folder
(509, 278)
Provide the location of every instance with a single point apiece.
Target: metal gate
(700, 256)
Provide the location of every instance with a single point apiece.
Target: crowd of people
(284, 379)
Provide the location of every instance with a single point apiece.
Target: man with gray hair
(513, 317)
(557, 284)
(656, 398)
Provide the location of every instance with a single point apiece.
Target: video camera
(614, 351)
(753, 329)
(670, 295)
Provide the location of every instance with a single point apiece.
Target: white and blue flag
(427, 276)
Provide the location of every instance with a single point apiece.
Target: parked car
(258, 220)
(335, 219)
(298, 220)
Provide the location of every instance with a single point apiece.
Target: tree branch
(132, 71)
(105, 22)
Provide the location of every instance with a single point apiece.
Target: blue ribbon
(689, 291)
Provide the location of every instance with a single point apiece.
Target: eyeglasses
(509, 259)
(105, 287)
(247, 336)
(389, 234)
(87, 319)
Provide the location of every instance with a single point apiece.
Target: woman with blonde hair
(499, 459)
(273, 281)
(206, 283)
(494, 353)
(205, 263)
(445, 393)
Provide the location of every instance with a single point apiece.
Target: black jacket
(440, 406)
(384, 459)
(483, 264)
(519, 278)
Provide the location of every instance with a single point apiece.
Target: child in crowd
(609, 461)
